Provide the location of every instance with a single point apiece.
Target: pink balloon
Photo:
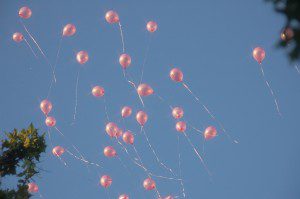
(50, 121)
(128, 137)
(123, 196)
(181, 126)
(46, 106)
(287, 34)
(176, 75)
(149, 184)
(69, 30)
(98, 91)
(58, 151)
(144, 90)
(259, 54)
(82, 57)
(125, 60)
(141, 118)
(210, 132)
(151, 26)
(126, 111)
(112, 17)
(177, 112)
(18, 37)
(111, 129)
(105, 181)
(32, 187)
(109, 152)
(25, 12)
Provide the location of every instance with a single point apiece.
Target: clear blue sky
(211, 42)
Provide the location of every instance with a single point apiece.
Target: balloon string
(29, 46)
(82, 159)
(270, 89)
(145, 59)
(179, 166)
(122, 37)
(163, 101)
(57, 54)
(297, 69)
(105, 108)
(76, 96)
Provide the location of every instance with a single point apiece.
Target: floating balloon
(176, 75)
(32, 187)
(126, 111)
(69, 30)
(112, 17)
(111, 129)
(151, 26)
(128, 137)
(141, 118)
(149, 184)
(82, 57)
(259, 54)
(109, 151)
(287, 34)
(50, 121)
(46, 106)
(25, 12)
(144, 90)
(123, 196)
(125, 60)
(177, 112)
(210, 132)
(58, 151)
(18, 37)
(105, 181)
(181, 126)
(98, 91)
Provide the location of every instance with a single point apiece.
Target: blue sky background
(211, 42)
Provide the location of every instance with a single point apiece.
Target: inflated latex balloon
(112, 17)
(82, 57)
(46, 106)
(151, 26)
(109, 151)
(25, 12)
(177, 112)
(58, 151)
(287, 34)
(124, 196)
(149, 184)
(128, 137)
(50, 121)
(176, 75)
(32, 187)
(125, 60)
(98, 91)
(259, 54)
(18, 37)
(210, 132)
(69, 30)
(181, 126)
(126, 111)
(105, 181)
(141, 118)
(144, 90)
(111, 129)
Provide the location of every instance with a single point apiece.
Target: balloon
(181, 126)
(111, 129)
(32, 187)
(141, 118)
(126, 111)
(149, 184)
(50, 121)
(18, 37)
(259, 54)
(69, 30)
(287, 34)
(128, 137)
(58, 151)
(210, 132)
(144, 90)
(151, 26)
(112, 17)
(176, 75)
(105, 181)
(109, 151)
(98, 91)
(167, 197)
(46, 106)
(82, 57)
(123, 196)
(177, 112)
(25, 12)
(125, 60)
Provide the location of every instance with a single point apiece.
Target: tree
(20, 152)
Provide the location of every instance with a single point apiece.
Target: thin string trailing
(297, 69)
(122, 37)
(179, 166)
(82, 159)
(105, 108)
(29, 46)
(76, 96)
(145, 59)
